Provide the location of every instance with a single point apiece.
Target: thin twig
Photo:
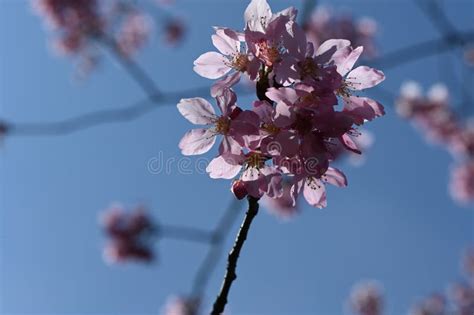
(185, 234)
(423, 49)
(136, 72)
(230, 275)
(209, 263)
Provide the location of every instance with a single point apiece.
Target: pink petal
(314, 192)
(197, 110)
(362, 108)
(349, 144)
(220, 168)
(257, 11)
(197, 141)
(335, 177)
(211, 65)
(245, 124)
(364, 77)
(284, 116)
(296, 189)
(225, 83)
(226, 45)
(287, 95)
(345, 58)
(226, 100)
(330, 43)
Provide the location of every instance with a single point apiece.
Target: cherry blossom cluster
(435, 117)
(324, 24)
(130, 235)
(294, 130)
(81, 23)
(459, 299)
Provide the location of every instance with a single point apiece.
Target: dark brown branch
(209, 263)
(230, 275)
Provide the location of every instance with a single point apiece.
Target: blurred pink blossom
(366, 299)
(181, 306)
(134, 33)
(462, 182)
(129, 235)
(325, 24)
(433, 305)
(174, 31)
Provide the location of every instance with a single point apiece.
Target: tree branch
(142, 107)
(230, 275)
(424, 49)
(185, 234)
(209, 263)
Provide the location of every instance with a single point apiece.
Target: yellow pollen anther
(254, 160)
(240, 62)
(222, 125)
(270, 128)
(308, 67)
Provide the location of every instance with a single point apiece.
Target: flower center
(270, 128)
(268, 53)
(240, 62)
(308, 68)
(343, 90)
(222, 125)
(255, 160)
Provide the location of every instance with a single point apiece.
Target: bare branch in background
(142, 107)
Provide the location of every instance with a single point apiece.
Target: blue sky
(395, 222)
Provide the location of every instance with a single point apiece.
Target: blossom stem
(212, 257)
(230, 275)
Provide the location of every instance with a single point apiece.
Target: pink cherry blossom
(233, 124)
(213, 65)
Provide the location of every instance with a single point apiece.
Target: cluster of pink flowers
(324, 24)
(459, 299)
(80, 23)
(293, 130)
(77, 20)
(366, 299)
(438, 121)
(129, 235)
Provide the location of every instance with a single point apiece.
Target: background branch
(142, 107)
